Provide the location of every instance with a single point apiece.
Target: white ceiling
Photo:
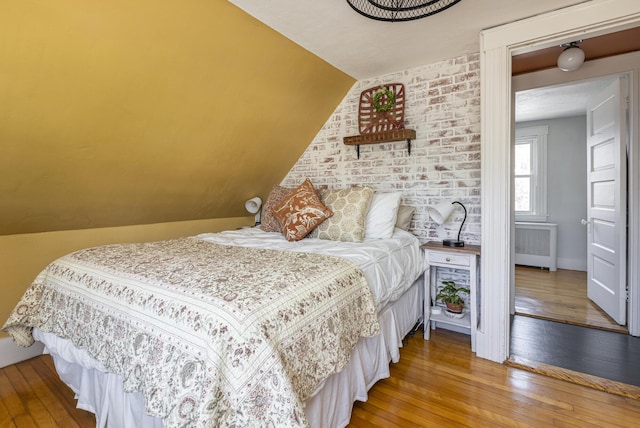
(363, 48)
(554, 102)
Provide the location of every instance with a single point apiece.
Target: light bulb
(571, 59)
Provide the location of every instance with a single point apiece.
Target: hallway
(559, 296)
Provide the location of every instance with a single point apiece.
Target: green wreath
(391, 100)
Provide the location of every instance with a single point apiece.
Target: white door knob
(585, 222)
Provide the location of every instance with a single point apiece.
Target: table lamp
(440, 213)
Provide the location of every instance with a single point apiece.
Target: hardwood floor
(564, 335)
(437, 383)
(559, 296)
(32, 395)
(599, 353)
(440, 383)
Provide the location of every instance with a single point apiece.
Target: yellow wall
(136, 112)
(23, 256)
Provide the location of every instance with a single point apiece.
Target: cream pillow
(383, 213)
(349, 207)
(405, 214)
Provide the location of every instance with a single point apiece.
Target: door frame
(497, 46)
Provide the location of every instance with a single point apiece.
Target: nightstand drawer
(448, 258)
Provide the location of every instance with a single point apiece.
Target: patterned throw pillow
(349, 208)
(269, 222)
(300, 212)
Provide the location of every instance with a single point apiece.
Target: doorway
(497, 46)
(560, 316)
(550, 189)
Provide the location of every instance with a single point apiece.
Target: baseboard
(11, 354)
(572, 264)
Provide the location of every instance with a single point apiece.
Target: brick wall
(443, 106)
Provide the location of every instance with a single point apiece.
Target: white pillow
(382, 215)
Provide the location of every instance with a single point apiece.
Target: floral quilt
(212, 335)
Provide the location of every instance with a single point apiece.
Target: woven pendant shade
(399, 10)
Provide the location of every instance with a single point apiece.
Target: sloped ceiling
(363, 48)
(117, 113)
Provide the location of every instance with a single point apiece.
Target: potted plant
(450, 295)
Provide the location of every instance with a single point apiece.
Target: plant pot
(455, 308)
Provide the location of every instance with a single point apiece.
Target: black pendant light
(399, 10)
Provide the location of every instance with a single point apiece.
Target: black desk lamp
(440, 213)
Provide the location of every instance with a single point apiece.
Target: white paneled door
(607, 201)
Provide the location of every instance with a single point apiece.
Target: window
(530, 174)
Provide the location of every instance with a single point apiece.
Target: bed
(123, 324)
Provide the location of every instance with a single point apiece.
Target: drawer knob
(448, 259)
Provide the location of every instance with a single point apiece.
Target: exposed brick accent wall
(443, 106)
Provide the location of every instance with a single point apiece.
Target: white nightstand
(465, 258)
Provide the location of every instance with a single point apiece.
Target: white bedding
(389, 265)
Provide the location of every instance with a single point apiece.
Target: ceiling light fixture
(399, 10)
(572, 57)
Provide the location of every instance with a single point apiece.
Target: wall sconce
(440, 213)
(572, 57)
(253, 206)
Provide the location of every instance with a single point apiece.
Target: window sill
(536, 218)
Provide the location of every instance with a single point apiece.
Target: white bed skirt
(101, 393)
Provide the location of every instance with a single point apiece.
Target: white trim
(531, 218)
(492, 339)
(12, 354)
(633, 204)
(496, 48)
(572, 264)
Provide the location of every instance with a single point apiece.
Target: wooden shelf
(381, 137)
(442, 317)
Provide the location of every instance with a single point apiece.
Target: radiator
(537, 244)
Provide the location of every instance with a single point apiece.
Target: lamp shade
(253, 205)
(571, 59)
(441, 212)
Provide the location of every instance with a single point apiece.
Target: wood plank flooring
(564, 335)
(437, 383)
(605, 354)
(32, 395)
(559, 296)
